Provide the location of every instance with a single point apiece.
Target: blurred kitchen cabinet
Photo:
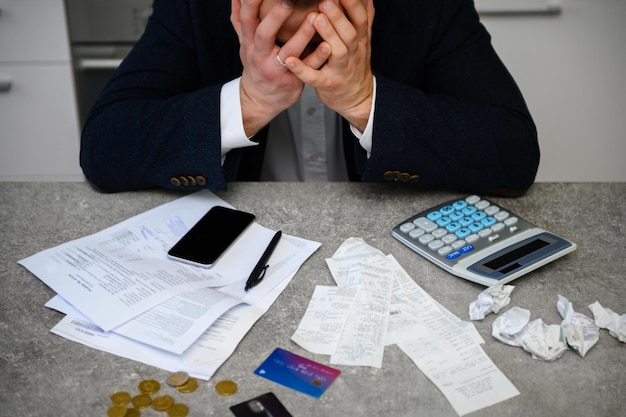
(39, 132)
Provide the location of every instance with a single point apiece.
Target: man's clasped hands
(284, 46)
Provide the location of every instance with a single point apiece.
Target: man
(420, 93)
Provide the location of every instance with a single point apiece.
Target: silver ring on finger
(280, 61)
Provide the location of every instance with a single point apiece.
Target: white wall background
(572, 71)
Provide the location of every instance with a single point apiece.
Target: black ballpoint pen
(258, 272)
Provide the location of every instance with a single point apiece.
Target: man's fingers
(340, 21)
(318, 57)
(357, 12)
(327, 31)
(266, 31)
(305, 73)
(235, 16)
(301, 40)
(249, 18)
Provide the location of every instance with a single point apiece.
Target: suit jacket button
(414, 178)
(388, 176)
(192, 181)
(200, 180)
(404, 177)
(175, 182)
(183, 181)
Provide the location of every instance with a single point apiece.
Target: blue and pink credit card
(298, 373)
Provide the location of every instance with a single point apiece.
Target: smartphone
(208, 239)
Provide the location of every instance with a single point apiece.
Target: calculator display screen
(516, 254)
(520, 256)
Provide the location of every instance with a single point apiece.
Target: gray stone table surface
(42, 374)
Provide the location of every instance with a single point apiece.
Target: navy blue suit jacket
(447, 114)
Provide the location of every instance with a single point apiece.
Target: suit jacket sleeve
(157, 121)
(447, 110)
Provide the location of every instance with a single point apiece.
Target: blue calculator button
(466, 221)
(466, 249)
(476, 227)
(463, 232)
(488, 221)
(453, 255)
(434, 215)
(456, 216)
(446, 210)
(453, 227)
(458, 205)
(479, 215)
(443, 221)
(469, 210)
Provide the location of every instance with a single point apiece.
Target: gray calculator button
(444, 250)
(510, 221)
(439, 233)
(435, 244)
(424, 239)
(482, 204)
(407, 227)
(415, 233)
(491, 210)
(425, 224)
(458, 244)
(472, 238)
(485, 232)
(472, 199)
(449, 238)
(501, 215)
(497, 227)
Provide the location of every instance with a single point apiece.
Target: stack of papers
(121, 293)
(376, 304)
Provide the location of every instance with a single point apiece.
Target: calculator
(475, 239)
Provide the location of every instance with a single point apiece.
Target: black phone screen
(211, 236)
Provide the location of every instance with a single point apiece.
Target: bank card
(298, 373)
(264, 405)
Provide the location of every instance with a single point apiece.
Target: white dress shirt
(304, 142)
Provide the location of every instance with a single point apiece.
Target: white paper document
(606, 318)
(542, 341)
(324, 319)
(490, 300)
(362, 342)
(579, 330)
(443, 346)
(119, 273)
(201, 360)
(463, 372)
(122, 294)
(173, 325)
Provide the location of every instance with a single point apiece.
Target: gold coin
(149, 386)
(117, 411)
(162, 403)
(132, 412)
(189, 386)
(141, 401)
(177, 379)
(120, 398)
(178, 410)
(226, 387)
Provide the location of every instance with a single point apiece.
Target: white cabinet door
(33, 30)
(38, 125)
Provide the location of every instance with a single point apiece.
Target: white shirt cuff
(231, 120)
(365, 137)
